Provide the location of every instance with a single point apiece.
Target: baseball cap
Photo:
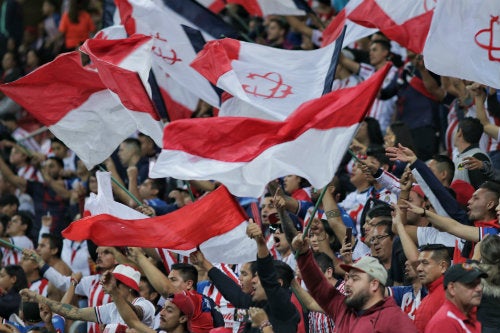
(417, 189)
(127, 275)
(184, 302)
(194, 306)
(464, 273)
(463, 191)
(370, 266)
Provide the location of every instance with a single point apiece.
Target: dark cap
(464, 273)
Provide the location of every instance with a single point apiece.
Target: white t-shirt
(108, 314)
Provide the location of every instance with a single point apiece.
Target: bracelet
(423, 213)
(332, 213)
(74, 282)
(265, 324)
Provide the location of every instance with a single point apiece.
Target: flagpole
(11, 245)
(123, 187)
(188, 185)
(327, 89)
(309, 222)
(32, 134)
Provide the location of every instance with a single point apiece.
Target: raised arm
(66, 310)
(158, 280)
(479, 99)
(124, 308)
(255, 232)
(447, 224)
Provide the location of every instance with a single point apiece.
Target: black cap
(464, 273)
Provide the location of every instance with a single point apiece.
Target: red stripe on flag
(64, 83)
(215, 59)
(125, 9)
(411, 34)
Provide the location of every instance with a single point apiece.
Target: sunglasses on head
(275, 227)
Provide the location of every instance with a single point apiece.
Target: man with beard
(364, 307)
(463, 294)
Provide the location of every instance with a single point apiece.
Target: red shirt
(430, 304)
(450, 319)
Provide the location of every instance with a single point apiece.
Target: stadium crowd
(405, 238)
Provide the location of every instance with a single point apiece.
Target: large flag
(179, 30)
(406, 22)
(246, 153)
(274, 80)
(216, 223)
(464, 41)
(263, 8)
(76, 106)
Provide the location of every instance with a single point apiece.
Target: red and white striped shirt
(40, 286)
(11, 256)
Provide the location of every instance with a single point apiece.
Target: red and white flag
(246, 153)
(353, 31)
(172, 48)
(274, 80)
(464, 41)
(263, 8)
(123, 66)
(406, 22)
(78, 108)
(216, 223)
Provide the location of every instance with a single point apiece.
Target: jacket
(282, 314)
(383, 317)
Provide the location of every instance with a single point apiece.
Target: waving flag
(406, 22)
(353, 32)
(123, 66)
(179, 30)
(215, 223)
(263, 8)
(464, 41)
(77, 107)
(274, 80)
(246, 153)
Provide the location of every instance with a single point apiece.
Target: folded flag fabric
(246, 153)
(123, 66)
(464, 41)
(216, 223)
(263, 8)
(407, 23)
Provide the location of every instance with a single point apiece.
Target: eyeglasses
(275, 227)
(378, 239)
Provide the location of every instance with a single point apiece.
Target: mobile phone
(348, 234)
(242, 316)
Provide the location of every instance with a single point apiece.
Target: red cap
(191, 304)
(417, 189)
(463, 190)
